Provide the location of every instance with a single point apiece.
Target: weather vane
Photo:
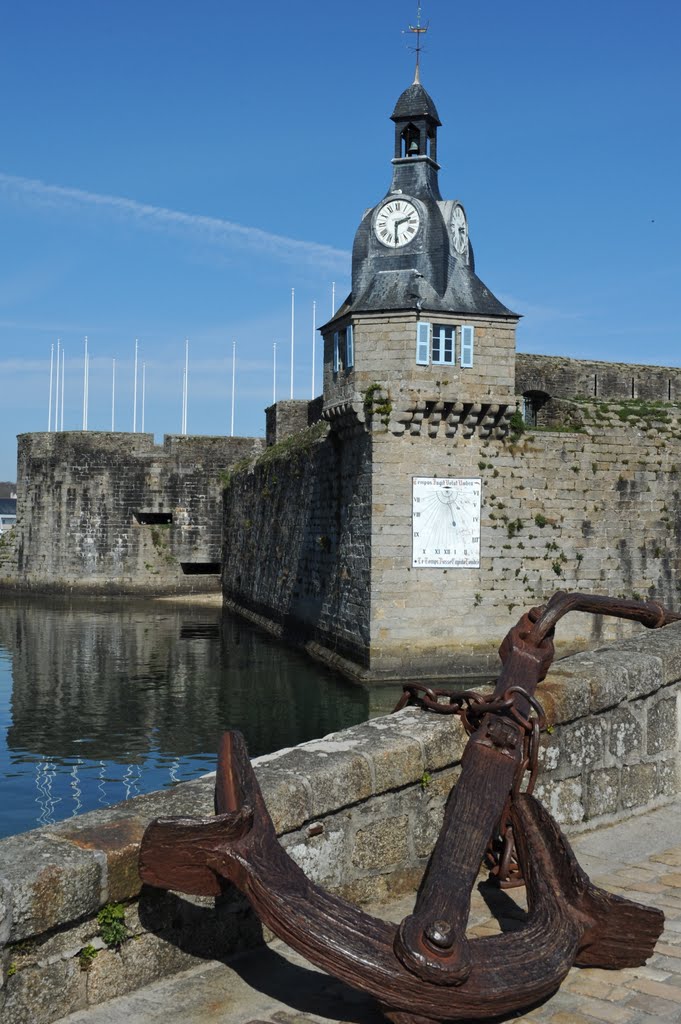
(418, 30)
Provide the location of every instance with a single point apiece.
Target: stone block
(322, 857)
(388, 744)
(563, 696)
(564, 799)
(48, 882)
(381, 845)
(663, 726)
(427, 820)
(668, 777)
(639, 784)
(339, 775)
(118, 841)
(626, 733)
(580, 744)
(39, 995)
(287, 798)
(138, 962)
(602, 792)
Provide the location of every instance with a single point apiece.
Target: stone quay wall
(115, 513)
(358, 810)
(560, 377)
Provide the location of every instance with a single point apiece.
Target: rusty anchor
(425, 969)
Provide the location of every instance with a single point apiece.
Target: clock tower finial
(418, 30)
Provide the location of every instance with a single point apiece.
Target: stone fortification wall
(296, 539)
(359, 810)
(593, 511)
(112, 512)
(560, 377)
(289, 416)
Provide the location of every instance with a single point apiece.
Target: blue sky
(170, 170)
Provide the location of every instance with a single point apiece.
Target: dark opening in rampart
(201, 568)
(154, 518)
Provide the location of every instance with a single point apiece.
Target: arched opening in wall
(411, 141)
(533, 403)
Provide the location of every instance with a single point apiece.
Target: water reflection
(105, 700)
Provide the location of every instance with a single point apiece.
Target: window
(443, 344)
(349, 348)
(422, 343)
(336, 352)
(466, 346)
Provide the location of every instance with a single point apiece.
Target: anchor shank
(431, 941)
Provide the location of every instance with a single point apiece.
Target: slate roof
(414, 103)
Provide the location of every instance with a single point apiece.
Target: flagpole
(49, 407)
(314, 341)
(274, 373)
(293, 337)
(333, 297)
(56, 389)
(144, 389)
(134, 395)
(233, 385)
(186, 381)
(113, 395)
(85, 382)
(63, 361)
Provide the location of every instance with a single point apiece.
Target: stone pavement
(640, 859)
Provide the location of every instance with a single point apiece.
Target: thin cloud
(211, 229)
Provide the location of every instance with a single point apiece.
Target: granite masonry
(359, 810)
(115, 513)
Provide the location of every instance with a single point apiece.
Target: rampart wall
(359, 810)
(297, 553)
(325, 549)
(560, 377)
(113, 512)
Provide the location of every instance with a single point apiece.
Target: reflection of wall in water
(127, 680)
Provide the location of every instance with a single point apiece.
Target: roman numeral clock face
(397, 223)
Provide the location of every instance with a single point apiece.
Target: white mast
(56, 388)
(144, 389)
(63, 361)
(49, 407)
(233, 385)
(85, 385)
(274, 372)
(186, 385)
(333, 297)
(314, 341)
(293, 336)
(113, 395)
(134, 395)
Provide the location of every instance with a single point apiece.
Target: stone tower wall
(112, 512)
(385, 352)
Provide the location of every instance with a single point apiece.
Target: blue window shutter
(466, 346)
(423, 343)
(336, 352)
(349, 347)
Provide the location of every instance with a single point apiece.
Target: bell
(413, 148)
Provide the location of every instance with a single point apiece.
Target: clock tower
(419, 325)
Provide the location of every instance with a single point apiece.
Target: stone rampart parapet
(359, 810)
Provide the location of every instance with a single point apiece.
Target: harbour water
(103, 700)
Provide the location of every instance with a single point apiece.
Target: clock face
(397, 223)
(459, 229)
(446, 523)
